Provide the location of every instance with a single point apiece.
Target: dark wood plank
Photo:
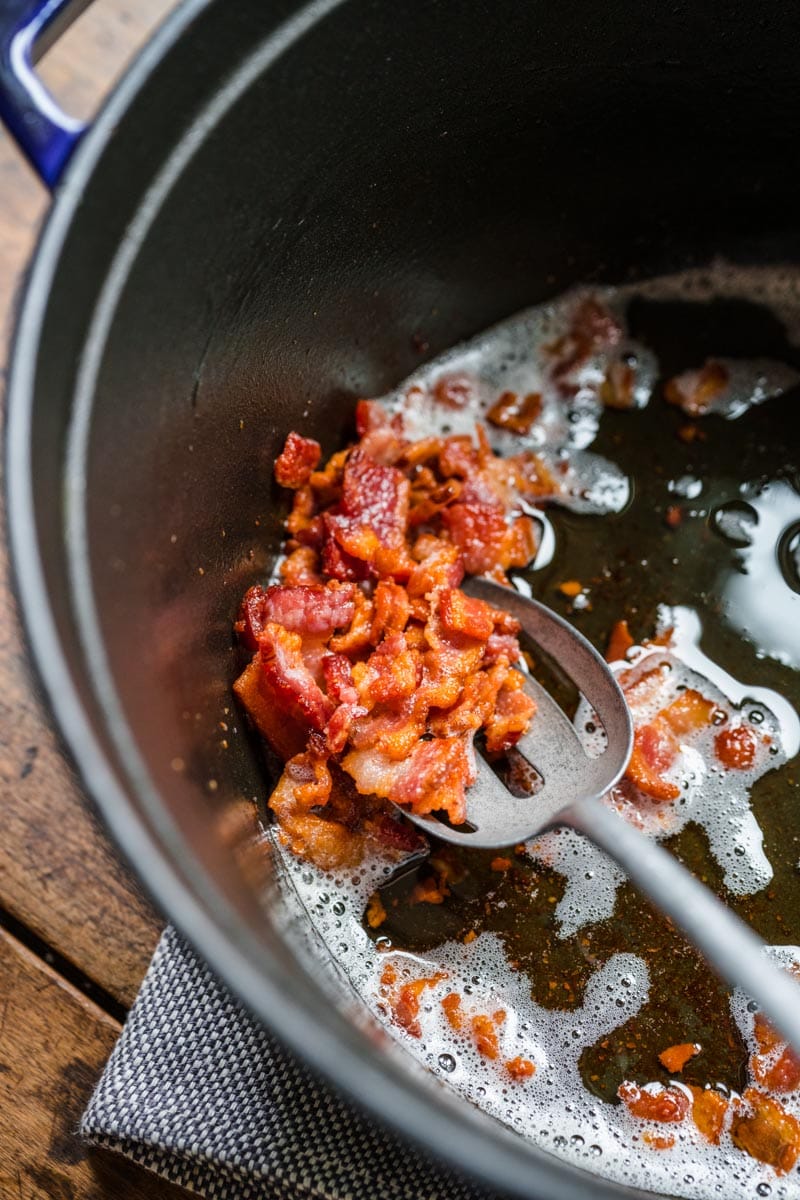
(58, 874)
(53, 1043)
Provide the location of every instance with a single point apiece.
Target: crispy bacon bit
(675, 1058)
(465, 614)
(429, 891)
(776, 1065)
(306, 784)
(616, 390)
(285, 735)
(709, 1110)
(297, 460)
(736, 747)
(762, 1128)
(655, 749)
(656, 745)
(484, 1031)
(453, 391)
(300, 567)
(514, 412)
(658, 1141)
(315, 609)
(451, 1004)
(667, 1105)
(571, 588)
(591, 328)
(619, 643)
(376, 913)
(289, 679)
(695, 391)
(520, 1068)
(405, 1004)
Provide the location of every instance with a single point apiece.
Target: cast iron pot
(276, 209)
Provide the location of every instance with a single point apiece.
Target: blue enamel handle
(45, 133)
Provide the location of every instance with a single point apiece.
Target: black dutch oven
(278, 205)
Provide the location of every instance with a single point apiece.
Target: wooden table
(76, 934)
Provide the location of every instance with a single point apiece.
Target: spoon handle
(729, 945)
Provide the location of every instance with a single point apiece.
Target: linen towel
(197, 1091)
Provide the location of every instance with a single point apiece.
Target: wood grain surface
(53, 1043)
(63, 888)
(58, 874)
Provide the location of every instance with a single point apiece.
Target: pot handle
(44, 133)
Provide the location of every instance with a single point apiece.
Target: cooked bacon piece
(370, 415)
(429, 891)
(695, 391)
(300, 567)
(286, 735)
(405, 1005)
(304, 523)
(675, 1058)
(777, 1072)
(369, 646)
(619, 643)
(689, 713)
(392, 731)
(736, 747)
(658, 1141)
(514, 412)
(392, 609)
(592, 327)
(709, 1110)
(514, 710)
(296, 461)
(484, 1031)
(306, 784)
(316, 609)
(655, 749)
(616, 390)
(480, 532)
(476, 705)
(433, 778)
(392, 672)
(656, 745)
(453, 391)
(762, 1128)
(466, 615)
(342, 689)
(520, 1068)
(369, 524)
(667, 1105)
(357, 637)
(501, 646)
(439, 564)
(487, 541)
(395, 831)
(380, 436)
(376, 913)
(451, 1003)
(286, 675)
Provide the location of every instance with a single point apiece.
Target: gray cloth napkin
(197, 1091)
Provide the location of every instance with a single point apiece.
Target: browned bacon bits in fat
(373, 672)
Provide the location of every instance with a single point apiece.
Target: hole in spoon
(517, 774)
(462, 827)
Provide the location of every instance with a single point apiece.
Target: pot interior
(296, 209)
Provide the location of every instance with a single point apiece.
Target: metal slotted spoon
(571, 786)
